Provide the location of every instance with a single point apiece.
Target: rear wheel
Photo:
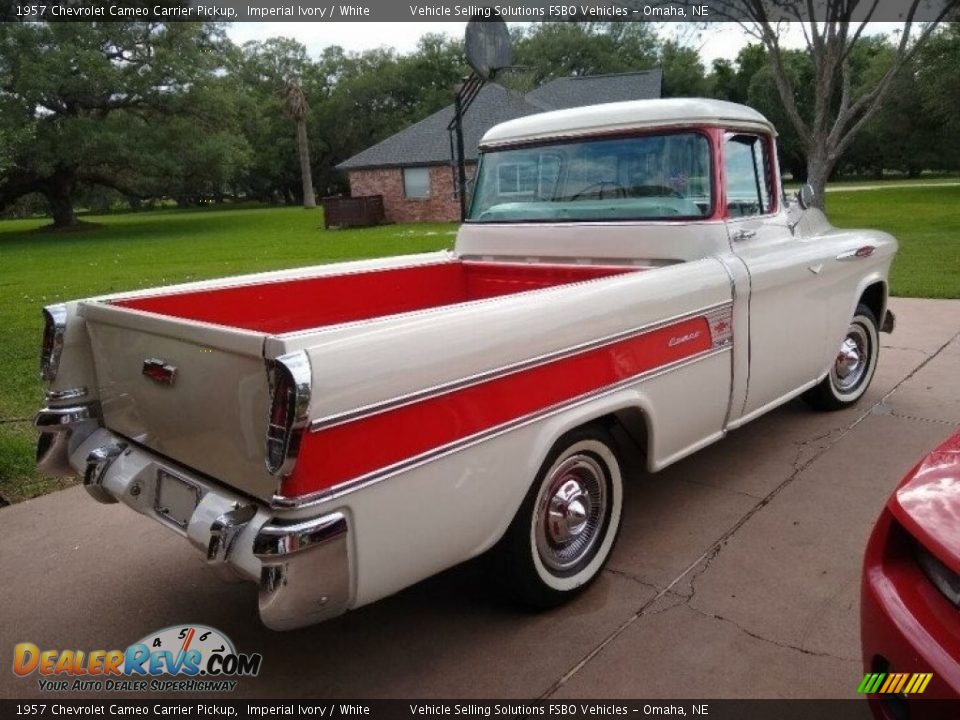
(564, 531)
(853, 367)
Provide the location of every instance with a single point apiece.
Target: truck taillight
(290, 383)
(54, 326)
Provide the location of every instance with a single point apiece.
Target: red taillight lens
(289, 401)
(54, 325)
(281, 418)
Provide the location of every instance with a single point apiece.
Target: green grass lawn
(926, 221)
(125, 252)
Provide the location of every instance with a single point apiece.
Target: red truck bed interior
(286, 306)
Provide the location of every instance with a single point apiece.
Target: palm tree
(296, 107)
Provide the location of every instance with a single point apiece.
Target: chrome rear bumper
(302, 566)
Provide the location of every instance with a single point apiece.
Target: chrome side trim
(305, 571)
(495, 373)
(55, 320)
(224, 531)
(281, 502)
(98, 461)
(67, 394)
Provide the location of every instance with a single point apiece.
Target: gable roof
(571, 92)
(428, 143)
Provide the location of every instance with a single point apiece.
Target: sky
(720, 40)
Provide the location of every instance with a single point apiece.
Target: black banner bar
(426, 11)
(858, 709)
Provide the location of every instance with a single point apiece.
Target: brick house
(413, 170)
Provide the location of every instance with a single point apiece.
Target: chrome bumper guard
(62, 429)
(302, 565)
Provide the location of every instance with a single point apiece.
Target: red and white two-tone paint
(630, 279)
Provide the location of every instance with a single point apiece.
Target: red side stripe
(340, 453)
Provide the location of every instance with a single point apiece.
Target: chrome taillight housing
(54, 326)
(290, 383)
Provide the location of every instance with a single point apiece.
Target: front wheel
(565, 528)
(852, 368)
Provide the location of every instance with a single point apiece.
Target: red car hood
(927, 503)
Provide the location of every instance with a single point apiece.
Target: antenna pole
(461, 169)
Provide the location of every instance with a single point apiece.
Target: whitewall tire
(853, 367)
(566, 526)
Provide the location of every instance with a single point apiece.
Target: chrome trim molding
(55, 319)
(281, 502)
(66, 394)
(297, 364)
(504, 370)
(98, 462)
(305, 575)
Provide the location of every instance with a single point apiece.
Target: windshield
(639, 178)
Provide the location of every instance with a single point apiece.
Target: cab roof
(625, 116)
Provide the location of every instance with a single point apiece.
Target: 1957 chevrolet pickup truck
(337, 433)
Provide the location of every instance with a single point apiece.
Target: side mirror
(806, 195)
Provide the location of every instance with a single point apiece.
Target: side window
(747, 169)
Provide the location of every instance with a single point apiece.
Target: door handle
(859, 253)
(744, 235)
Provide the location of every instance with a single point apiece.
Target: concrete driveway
(736, 574)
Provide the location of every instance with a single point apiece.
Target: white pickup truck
(337, 433)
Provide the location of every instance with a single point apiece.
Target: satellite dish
(487, 44)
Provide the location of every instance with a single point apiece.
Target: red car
(910, 602)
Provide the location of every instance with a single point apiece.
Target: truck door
(787, 301)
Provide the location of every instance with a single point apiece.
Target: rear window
(639, 178)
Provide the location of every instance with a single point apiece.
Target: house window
(416, 182)
(517, 178)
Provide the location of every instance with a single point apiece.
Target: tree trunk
(59, 194)
(819, 167)
(309, 199)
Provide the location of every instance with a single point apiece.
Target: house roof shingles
(428, 143)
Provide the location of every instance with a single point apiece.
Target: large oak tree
(84, 104)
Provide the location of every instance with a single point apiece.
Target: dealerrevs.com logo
(204, 655)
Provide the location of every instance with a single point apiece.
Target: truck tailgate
(205, 406)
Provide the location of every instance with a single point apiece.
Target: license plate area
(176, 498)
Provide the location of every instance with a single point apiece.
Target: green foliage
(90, 103)
(106, 113)
(555, 50)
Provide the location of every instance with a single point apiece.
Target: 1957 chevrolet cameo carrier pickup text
(337, 433)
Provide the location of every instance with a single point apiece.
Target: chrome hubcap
(850, 365)
(570, 512)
